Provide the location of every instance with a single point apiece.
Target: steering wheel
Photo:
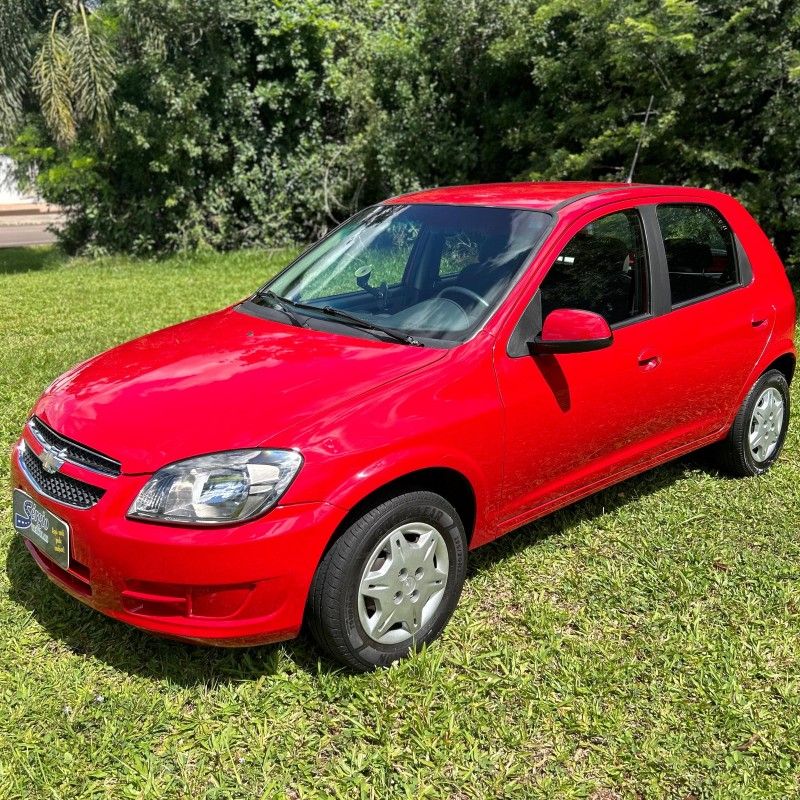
(461, 290)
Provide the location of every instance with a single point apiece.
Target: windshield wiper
(281, 304)
(360, 322)
(337, 313)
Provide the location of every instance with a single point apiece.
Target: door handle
(648, 359)
(761, 317)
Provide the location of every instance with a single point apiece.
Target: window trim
(739, 257)
(700, 298)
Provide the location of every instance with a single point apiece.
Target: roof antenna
(647, 114)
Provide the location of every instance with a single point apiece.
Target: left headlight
(219, 488)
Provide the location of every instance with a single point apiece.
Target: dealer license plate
(47, 532)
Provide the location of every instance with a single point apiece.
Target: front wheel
(756, 437)
(390, 582)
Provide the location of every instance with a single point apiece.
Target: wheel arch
(451, 484)
(785, 364)
(781, 357)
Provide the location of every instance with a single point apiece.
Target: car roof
(539, 196)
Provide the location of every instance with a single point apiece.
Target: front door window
(602, 269)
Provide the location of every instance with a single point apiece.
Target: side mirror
(570, 330)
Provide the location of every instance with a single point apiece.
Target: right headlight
(216, 489)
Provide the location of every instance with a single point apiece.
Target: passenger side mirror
(570, 330)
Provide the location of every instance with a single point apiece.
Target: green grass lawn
(644, 643)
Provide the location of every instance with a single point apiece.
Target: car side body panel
(709, 352)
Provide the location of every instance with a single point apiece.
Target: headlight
(220, 488)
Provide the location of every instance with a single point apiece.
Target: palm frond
(52, 80)
(93, 71)
(16, 47)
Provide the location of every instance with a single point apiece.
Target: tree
(552, 89)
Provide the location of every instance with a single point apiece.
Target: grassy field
(642, 644)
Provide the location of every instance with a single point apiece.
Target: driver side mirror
(571, 330)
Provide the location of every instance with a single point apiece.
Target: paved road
(22, 235)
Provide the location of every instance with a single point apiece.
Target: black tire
(333, 604)
(733, 453)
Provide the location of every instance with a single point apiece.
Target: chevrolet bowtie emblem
(52, 459)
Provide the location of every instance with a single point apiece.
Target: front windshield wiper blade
(281, 303)
(405, 338)
(343, 315)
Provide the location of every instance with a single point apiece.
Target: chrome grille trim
(72, 451)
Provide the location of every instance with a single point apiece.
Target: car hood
(224, 381)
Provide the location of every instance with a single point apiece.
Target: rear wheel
(756, 437)
(390, 582)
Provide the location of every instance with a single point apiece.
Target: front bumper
(241, 585)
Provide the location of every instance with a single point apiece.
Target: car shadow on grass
(604, 502)
(84, 631)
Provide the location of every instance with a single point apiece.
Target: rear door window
(700, 250)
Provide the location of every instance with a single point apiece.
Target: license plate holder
(47, 532)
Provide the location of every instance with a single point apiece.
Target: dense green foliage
(247, 121)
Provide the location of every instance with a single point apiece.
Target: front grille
(72, 451)
(57, 486)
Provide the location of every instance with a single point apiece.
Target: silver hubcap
(766, 424)
(403, 583)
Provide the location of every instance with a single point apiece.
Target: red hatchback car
(442, 368)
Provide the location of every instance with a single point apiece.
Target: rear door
(715, 330)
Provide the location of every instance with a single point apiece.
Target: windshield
(430, 271)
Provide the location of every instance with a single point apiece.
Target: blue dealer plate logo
(49, 533)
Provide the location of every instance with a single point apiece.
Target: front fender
(391, 466)
(448, 415)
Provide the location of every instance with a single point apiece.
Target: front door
(572, 419)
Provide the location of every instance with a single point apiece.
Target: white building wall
(9, 191)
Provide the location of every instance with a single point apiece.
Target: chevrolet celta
(442, 368)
